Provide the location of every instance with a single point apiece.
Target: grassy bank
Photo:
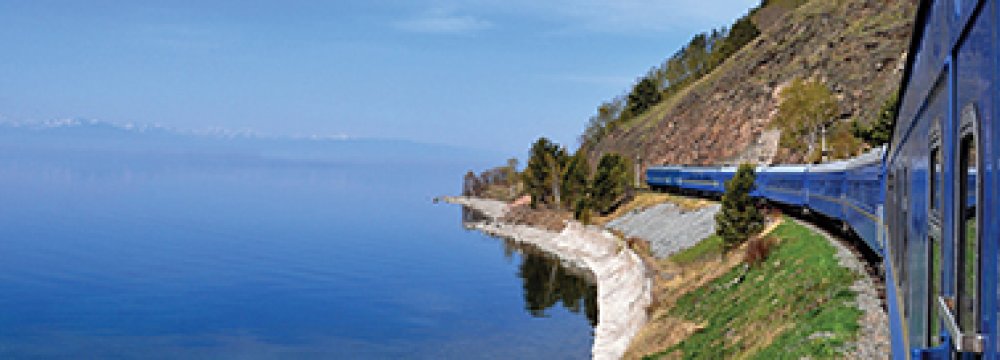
(795, 304)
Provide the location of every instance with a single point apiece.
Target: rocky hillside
(856, 47)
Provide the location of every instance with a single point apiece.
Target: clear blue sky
(491, 74)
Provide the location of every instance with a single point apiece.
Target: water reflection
(546, 280)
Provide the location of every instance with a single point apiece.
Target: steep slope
(856, 47)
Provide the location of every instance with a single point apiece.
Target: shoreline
(624, 289)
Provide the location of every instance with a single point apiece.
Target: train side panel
(709, 180)
(662, 177)
(782, 184)
(825, 191)
(863, 198)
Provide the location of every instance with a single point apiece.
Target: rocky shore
(624, 289)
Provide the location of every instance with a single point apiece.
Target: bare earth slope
(855, 46)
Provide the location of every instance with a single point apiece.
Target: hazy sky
(491, 74)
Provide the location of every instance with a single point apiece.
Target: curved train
(926, 204)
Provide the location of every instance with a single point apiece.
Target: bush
(758, 249)
(879, 132)
(582, 211)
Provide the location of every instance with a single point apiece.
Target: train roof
(782, 168)
(829, 167)
(708, 168)
(873, 156)
(665, 167)
(916, 37)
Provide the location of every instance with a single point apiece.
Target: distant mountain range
(100, 137)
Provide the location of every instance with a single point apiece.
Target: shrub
(582, 211)
(758, 249)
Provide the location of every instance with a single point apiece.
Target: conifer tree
(644, 95)
(543, 174)
(612, 182)
(738, 219)
(576, 180)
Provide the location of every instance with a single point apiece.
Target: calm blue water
(102, 257)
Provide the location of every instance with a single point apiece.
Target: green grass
(799, 292)
(710, 246)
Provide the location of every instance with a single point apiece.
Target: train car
(709, 180)
(942, 250)
(864, 195)
(825, 189)
(785, 184)
(662, 177)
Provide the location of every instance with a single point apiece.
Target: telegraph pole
(638, 171)
(822, 146)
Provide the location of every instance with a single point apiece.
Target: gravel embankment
(873, 339)
(668, 227)
(624, 291)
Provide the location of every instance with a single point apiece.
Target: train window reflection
(934, 243)
(936, 185)
(968, 245)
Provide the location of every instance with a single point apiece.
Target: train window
(935, 170)
(904, 237)
(893, 220)
(967, 246)
(934, 233)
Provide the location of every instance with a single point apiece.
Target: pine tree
(543, 174)
(644, 95)
(612, 182)
(738, 219)
(576, 180)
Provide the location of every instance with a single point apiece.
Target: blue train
(850, 192)
(927, 203)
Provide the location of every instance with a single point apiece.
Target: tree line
(554, 179)
(703, 53)
(501, 182)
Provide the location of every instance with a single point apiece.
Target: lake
(108, 256)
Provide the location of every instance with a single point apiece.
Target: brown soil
(549, 219)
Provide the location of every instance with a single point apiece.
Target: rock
(667, 227)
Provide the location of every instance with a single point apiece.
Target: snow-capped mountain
(95, 136)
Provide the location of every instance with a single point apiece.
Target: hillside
(855, 47)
